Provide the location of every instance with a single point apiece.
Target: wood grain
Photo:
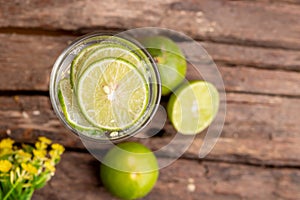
(77, 177)
(256, 46)
(26, 62)
(258, 129)
(242, 22)
(275, 59)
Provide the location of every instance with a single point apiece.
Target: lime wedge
(112, 94)
(193, 107)
(71, 110)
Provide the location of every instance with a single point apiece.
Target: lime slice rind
(81, 61)
(99, 98)
(100, 51)
(78, 60)
(72, 113)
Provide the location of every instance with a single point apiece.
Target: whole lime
(170, 61)
(129, 170)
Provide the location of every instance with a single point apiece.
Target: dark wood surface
(256, 46)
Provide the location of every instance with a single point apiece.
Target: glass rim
(53, 87)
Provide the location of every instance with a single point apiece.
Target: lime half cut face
(193, 107)
(112, 94)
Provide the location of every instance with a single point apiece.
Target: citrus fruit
(193, 107)
(71, 110)
(129, 170)
(170, 61)
(112, 94)
(98, 51)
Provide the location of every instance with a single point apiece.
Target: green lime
(193, 107)
(129, 170)
(99, 51)
(71, 110)
(112, 94)
(170, 61)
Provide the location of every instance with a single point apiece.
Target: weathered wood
(278, 152)
(24, 118)
(258, 129)
(243, 22)
(77, 177)
(284, 1)
(248, 80)
(247, 56)
(26, 62)
(261, 81)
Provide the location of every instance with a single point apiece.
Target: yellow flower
(29, 168)
(49, 166)
(5, 166)
(41, 145)
(40, 154)
(5, 151)
(45, 140)
(53, 153)
(59, 148)
(23, 156)
(6, 143)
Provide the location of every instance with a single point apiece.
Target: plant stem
(11, 189)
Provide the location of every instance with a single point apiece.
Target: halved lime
(193, 107)
(71, 110)
(112, 94)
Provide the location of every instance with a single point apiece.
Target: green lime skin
(131, 170)
(170, 61)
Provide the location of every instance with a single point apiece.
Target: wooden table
(256, 45)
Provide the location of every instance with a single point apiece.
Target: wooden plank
(247, 80)
(26, 62)
(77, 177)
(234, 22)
(278, 152)
(261, 81)
(246, 56)
(258, 129)
(24, 118)
(284, 1)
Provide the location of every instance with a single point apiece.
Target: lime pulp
(193, 107)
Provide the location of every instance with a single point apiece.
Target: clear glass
(61, 69)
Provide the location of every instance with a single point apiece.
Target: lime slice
(78, 61)
(105, 51)
(110, 46)
(112, 94)
(71, 110)
(193, 107)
